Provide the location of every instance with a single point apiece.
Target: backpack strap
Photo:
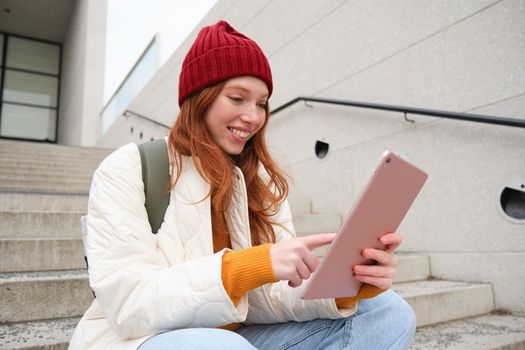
(155, 176)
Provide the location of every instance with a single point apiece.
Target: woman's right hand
(294, 260)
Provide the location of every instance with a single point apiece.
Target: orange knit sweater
(250, 268)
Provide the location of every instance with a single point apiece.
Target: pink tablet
(379, 209)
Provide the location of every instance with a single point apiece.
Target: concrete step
(7, 156)
(412, 267)
(28, 169)
(23, 166)
(31, 186)
(49, 160)
(6, 179)
(46, 177)
(20, 255)
(40, 224)
(492, 331)
(46, 164)
(33, 296)
(59, 150)
(20, 201)
(67, 253)
(11, 146)
(306, 224)
(48, 334)
(436, 301)
(31, 147)
(432, 301)
(50, 157)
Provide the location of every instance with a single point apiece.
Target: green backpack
(155, 176)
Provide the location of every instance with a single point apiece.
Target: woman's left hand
(382, 273)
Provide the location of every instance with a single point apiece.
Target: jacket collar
(192, 188)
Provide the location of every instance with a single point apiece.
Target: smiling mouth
(239, 133)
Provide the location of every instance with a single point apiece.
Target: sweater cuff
(245, 270)
(367, 291)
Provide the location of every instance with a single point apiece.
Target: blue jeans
(383, 322)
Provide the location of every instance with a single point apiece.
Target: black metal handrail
(478, 118)
(128, 112)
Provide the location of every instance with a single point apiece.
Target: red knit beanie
(220, 53)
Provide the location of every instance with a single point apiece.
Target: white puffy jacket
(146, 284)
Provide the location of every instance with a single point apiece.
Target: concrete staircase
(43, 282)
(44, 288)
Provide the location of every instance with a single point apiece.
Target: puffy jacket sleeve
(278, 302)
(139, 292)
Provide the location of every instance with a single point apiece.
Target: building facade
(52, 70)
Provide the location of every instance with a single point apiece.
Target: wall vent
(512, 201)
(321, 149)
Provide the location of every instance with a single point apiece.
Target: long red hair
(189, 136)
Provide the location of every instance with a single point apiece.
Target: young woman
(225, 269)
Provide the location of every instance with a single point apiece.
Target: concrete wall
(81, 97)
(466, 57)
(462, 56)
(131, 128)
